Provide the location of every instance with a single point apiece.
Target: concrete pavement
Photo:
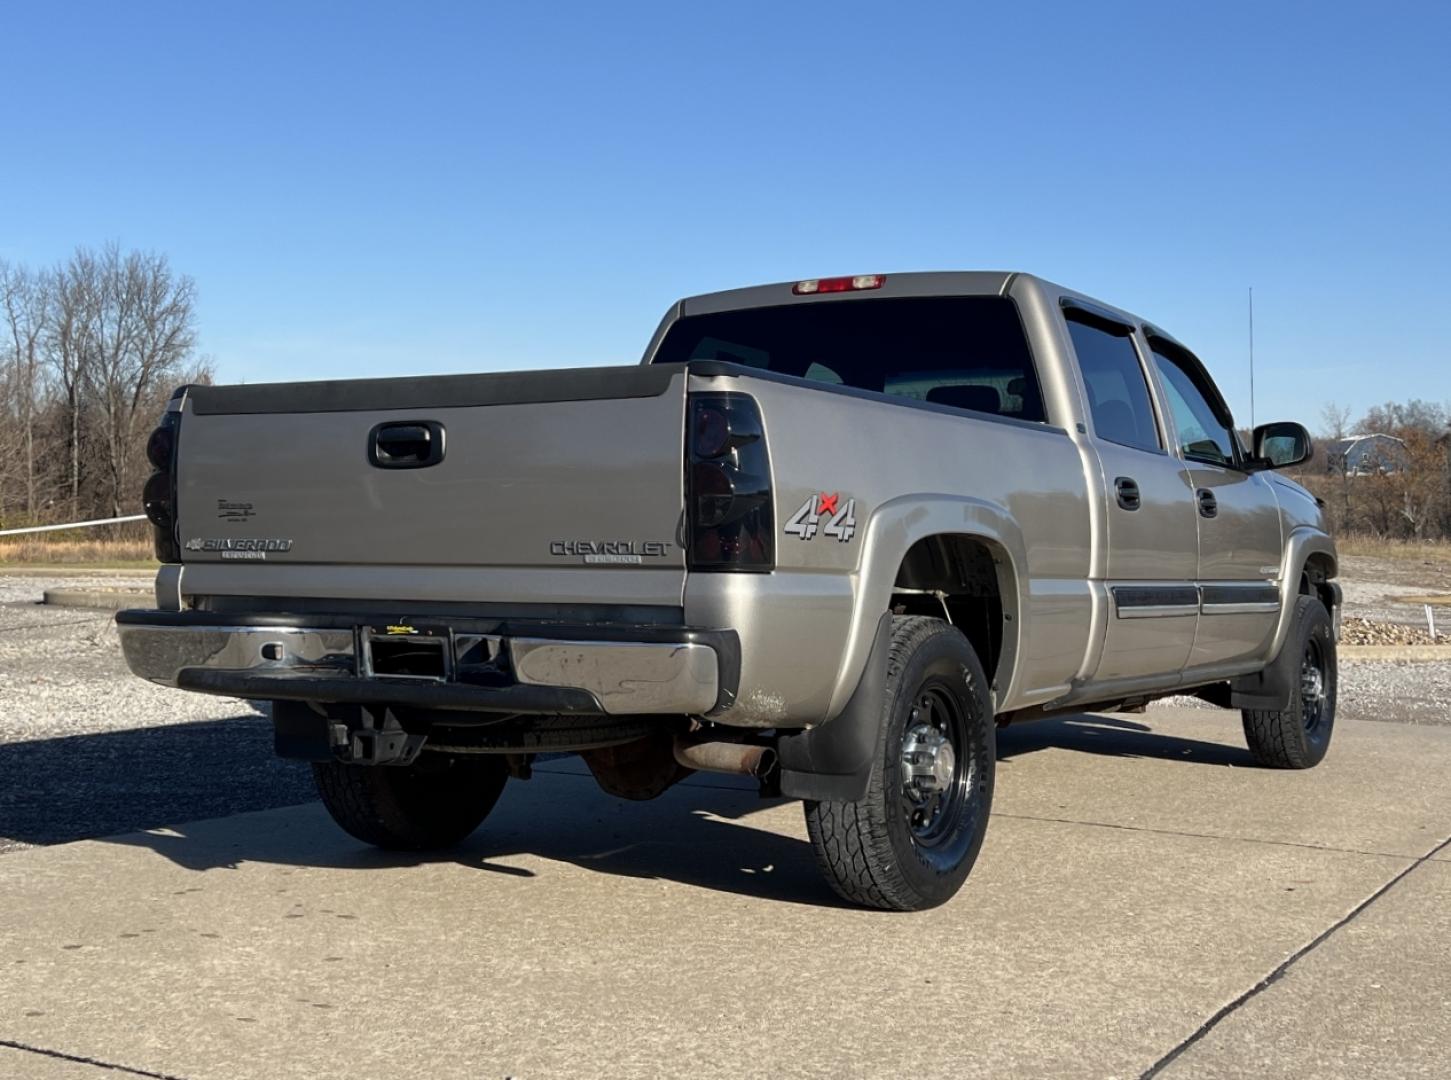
(1141, 891)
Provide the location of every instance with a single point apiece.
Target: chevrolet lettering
(610, 551)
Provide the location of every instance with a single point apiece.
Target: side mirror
(1281, 444)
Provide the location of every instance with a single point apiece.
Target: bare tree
(89, 352)
(141, 329)
(68, 355)
(1335, 421)
(1395, 416)
(24, 306)
(1336, 424)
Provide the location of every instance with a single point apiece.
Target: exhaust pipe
(713, 755)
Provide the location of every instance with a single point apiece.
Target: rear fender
(893, 529)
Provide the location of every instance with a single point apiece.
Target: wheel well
(1315, 578)
(956, 577)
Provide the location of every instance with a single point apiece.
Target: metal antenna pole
(1251, 357)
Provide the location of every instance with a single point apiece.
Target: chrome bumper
(484, 671)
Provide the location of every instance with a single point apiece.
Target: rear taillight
(728, 484)
(158, 497)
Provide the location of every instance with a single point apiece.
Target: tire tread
(1276, 737)
(365, 801)
(852, 846)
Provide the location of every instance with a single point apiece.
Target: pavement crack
(1205, 836)
(81, 1059)
(1278, 973)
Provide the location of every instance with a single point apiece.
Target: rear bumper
(485, 665)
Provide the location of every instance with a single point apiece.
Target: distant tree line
(90, 351)
(1396, 487)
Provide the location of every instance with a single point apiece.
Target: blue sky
(390, 189)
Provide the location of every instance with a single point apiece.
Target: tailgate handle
(406, 444)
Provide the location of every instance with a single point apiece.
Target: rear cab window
(966, 352)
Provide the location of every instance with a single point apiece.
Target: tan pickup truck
(829, 533)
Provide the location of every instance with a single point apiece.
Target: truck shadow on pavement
(693, 835)
(1116, 736)
(204, 774)
(77, 786)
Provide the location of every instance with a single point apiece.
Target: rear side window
(968, 352)
(1118, 393)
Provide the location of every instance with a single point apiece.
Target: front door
(1238, 516)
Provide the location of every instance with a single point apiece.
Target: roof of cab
(914, 283)
(929, 283)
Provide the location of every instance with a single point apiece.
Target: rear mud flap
(833, 761)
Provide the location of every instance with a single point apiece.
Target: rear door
(1152, 552)
(1238, 517)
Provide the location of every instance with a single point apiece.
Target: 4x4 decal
(826, 512)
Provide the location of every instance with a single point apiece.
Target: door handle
(1127, 490)
(1208, 504)
(407, 444)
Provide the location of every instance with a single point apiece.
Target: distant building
(1365, 455)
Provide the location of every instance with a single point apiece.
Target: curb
(99, 598)
(1417, 653)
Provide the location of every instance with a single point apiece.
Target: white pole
(72, 525)
(1431, 621)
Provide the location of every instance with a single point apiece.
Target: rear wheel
(1297, 737)
(910, 841)
(433, 803)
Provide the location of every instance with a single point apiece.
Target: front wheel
(910, 841)
(1298, 736)
(433, 803)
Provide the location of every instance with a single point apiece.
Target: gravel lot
(86, 749)
(1371, 586)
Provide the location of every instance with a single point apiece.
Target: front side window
(1118, 393)
(1205, 432)
(967, 352)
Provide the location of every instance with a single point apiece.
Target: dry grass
(39, 552)
(1410, 550)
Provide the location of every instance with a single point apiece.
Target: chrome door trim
(1144, 601)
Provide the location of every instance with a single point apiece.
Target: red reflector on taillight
(838, 284)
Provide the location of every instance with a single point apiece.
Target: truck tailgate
(546, 479)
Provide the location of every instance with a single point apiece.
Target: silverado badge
(244, 548)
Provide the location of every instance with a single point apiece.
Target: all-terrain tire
(1299, 736)
(883, 850)
(433, 803)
